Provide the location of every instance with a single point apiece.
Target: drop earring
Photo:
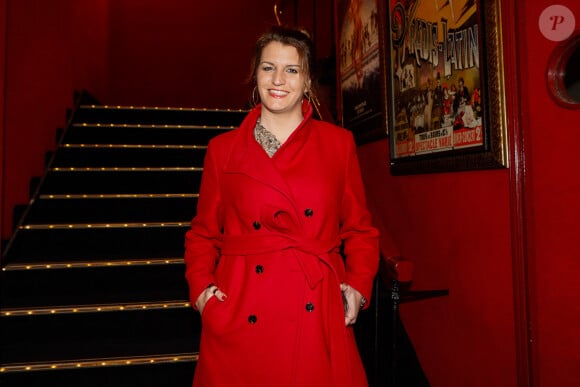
(255, 96)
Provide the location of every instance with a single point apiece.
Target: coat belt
(310, 252)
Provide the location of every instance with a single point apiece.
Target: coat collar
(247, 156)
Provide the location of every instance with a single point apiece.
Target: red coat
(268, 233)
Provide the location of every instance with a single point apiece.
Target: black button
(256, 225)
(252, 319)
(308, 212)
(309, 307)
(259, 269)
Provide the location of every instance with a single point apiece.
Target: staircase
(93, 287)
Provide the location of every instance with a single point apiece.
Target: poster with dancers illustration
(445, 91)
(361, 90)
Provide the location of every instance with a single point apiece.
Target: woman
(279, 197)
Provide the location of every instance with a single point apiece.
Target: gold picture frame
(360, 50)
(446, 94)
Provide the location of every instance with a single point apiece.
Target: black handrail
(396, 276)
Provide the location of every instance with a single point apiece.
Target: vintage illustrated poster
(359, 65)
(436, 68)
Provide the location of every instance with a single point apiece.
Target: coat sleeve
(360, 238)
(203, 239)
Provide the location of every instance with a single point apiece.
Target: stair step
(96, 283)
(64, 242)
(142, 134)
(93, 287)
(102, 363)
(124, 155)
(84, 208)
(78, 309)
(153, 115)
(122, 180)
(170, 370)
(120, 333)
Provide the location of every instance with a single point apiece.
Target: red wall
(194, 53)
(52, 48)
(464, 231)
(552, 144)
(511, 316)
(455, 227)
(183, 53)
(88, 40)
(2, 93)
(38, 89)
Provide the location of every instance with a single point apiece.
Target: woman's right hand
(211, 291)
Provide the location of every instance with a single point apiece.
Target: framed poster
(446, 97)
(361, 86)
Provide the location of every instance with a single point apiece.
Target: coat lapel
(248, 158)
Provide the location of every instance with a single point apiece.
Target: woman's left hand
(353, 300)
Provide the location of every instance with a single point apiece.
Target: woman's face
(280, 79)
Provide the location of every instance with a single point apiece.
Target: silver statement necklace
(266, 139)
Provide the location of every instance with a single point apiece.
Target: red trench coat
(268, 233)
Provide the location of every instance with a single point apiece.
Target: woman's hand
(352, 303)
(208, 293)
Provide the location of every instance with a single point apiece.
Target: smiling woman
(280, 197)
(281, 84)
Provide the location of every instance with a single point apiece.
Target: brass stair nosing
(97, 308)
(99, 362)
(162, 108)
(119, 196)
(126, 169)
(131, 146)
(103, 226)
(151, 126)
(92, 264)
